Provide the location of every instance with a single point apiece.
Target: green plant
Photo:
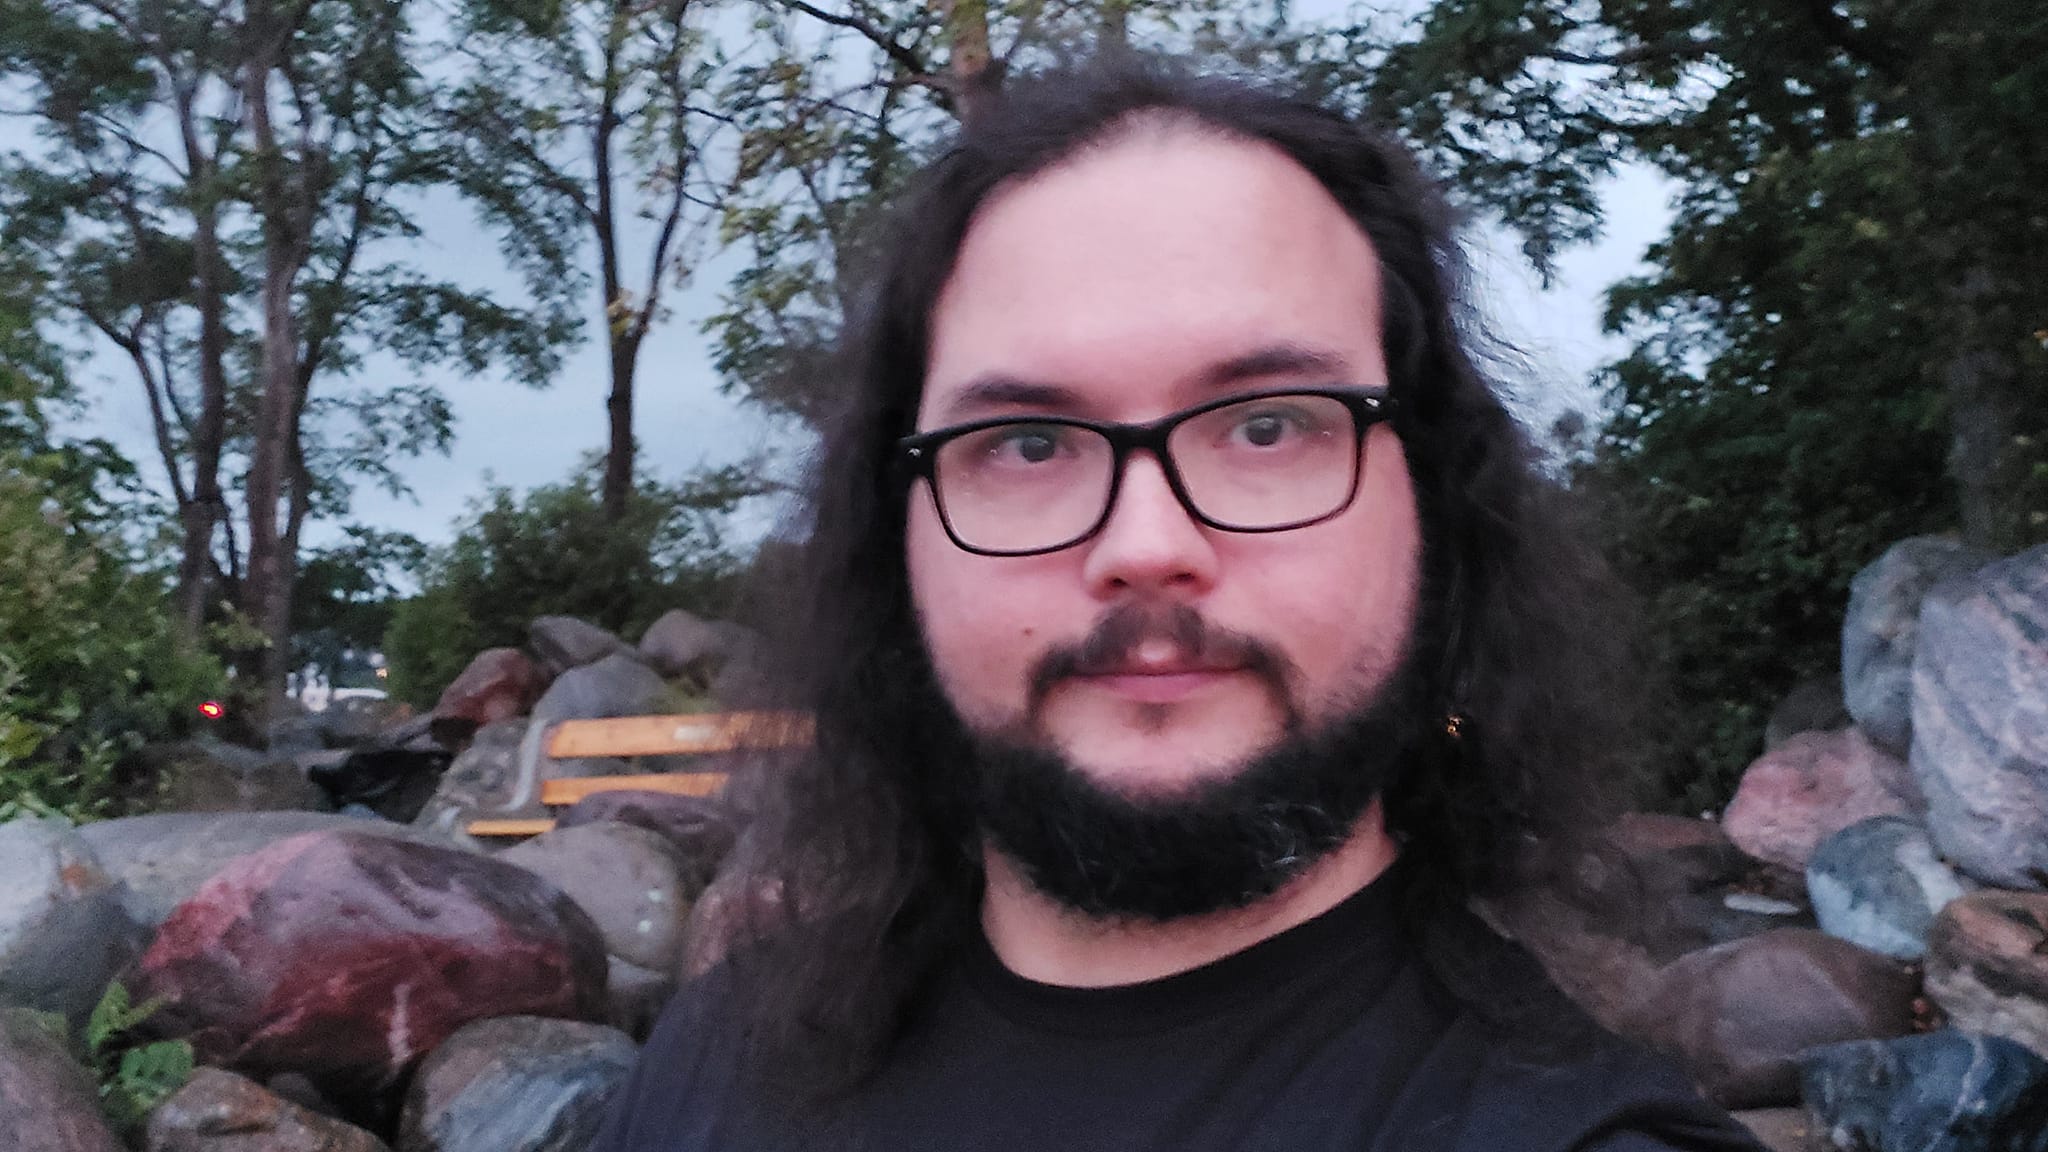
(551, 551)
(133, 1077)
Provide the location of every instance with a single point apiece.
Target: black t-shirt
(1326, 1036)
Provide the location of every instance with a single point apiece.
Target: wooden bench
(684, 735)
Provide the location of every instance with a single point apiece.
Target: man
(1191, 638)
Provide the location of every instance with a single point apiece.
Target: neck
(1042, 940)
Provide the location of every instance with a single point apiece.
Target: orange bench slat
(678, 735)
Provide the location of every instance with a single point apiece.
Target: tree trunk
(268, 598)
(620, 316)
(1979, 379)
(618, 461)
(974, 76)
(208, 507)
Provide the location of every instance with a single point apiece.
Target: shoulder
(1608, 1097)
(681, 1094)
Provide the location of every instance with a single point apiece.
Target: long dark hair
(1521, 642)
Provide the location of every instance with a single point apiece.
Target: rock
(395, 783)
(162, 859)
(517, 1082)
(1664, 882)
(1813, 705)
(47, 1102)
(499, 684)
(218, 1111)
(699, 830)
(1881, 625)
(1781, 1129)
(1604, 975)
(1738, 1014)
(624, 877)
(1877, 884)
(614, 685)
(345, 955)
(680, 644)
(479, 783)
(63, 930)
(1811, 787)
(1987, 965)
(636, 996)
(294, 735)
(737, 905)
(1980, 720)
(207, 775)
(564, 642)
(1941, 1092)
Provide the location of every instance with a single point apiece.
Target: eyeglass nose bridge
(1126, 441)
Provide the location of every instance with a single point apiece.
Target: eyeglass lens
(1267, 462)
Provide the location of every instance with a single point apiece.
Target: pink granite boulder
(499, 684)
(1737, 1015)
(1811, 787)
(346, 955)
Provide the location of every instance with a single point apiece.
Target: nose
(1150, 543)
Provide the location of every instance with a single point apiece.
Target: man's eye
(1267, 429)
(1029, 445)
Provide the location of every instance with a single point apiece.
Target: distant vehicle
(319, 697)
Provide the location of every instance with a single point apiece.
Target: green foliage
(551, 552)
(91, 663)
(133, 1077)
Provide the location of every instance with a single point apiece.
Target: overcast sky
(509, 434)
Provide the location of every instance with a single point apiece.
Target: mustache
(1112, 643)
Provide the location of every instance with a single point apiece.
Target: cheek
(981, 645)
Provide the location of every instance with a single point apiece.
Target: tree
(1840, 343)
(839, 105)
(296, 132)
(586, 121)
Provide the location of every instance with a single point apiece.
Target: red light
(212, 710)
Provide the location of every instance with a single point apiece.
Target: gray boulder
(63, 930)
(564, 642)
(162, 859)
(480, 783)
(47, 1103)
(1879, 630)
(524, 1082)
(626, 878)
(1941, 1092)
(207, 775)
(681, 644)
(1877, 883)
(1980, 720)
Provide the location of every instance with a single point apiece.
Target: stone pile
(374, 979)
(1900, 1001)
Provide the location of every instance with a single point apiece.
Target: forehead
(1132, 278)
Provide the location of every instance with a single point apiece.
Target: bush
(92, 665)
(551, 552)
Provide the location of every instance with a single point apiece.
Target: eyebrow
(1002, 390)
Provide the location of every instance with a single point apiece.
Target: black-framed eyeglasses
(1254, 462)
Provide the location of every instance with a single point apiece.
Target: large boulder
(565, 642)
(499, 684)
(625, 878)
(699, 830)
(346, 955)
(162, 859)
(1880, 627)
(523, 1083)
(1738, 1015)
(1781, 1129)
(1811, 787)
(1666, 882)
(682, 645)
(1987, 965)
(218, 1111)
(63, 930)
(1877, 883)
(207, 775)
(1941, 1092)
(47, 1102)
(480, 783)
(1980, 720)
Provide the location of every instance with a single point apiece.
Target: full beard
(1222, 843)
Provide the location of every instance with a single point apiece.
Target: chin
(1158, 769)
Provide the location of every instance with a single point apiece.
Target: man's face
(1158, 272)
